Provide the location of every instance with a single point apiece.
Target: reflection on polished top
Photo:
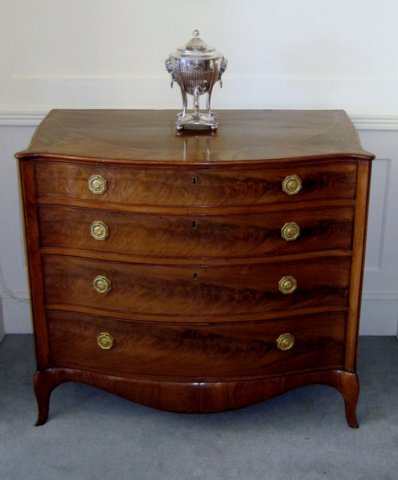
(139, 136)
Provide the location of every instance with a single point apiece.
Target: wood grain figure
(196, 272)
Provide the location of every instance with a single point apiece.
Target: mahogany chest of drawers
(196, 272)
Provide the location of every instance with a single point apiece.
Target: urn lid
(196, 48)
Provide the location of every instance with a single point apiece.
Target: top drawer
(194, 187)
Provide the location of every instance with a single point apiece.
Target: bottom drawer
(196, 351)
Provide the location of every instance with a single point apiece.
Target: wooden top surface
(142, 136)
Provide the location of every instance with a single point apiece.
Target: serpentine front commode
(196, 273)
(196, 68)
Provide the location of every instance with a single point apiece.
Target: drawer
(195, 290)
(196, 351)
(196, 236)
(200, 187)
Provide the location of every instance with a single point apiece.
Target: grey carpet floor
(299, 435)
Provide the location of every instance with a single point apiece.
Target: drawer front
(201, 187)
(194, 290)
(286, 232)
(196, 352)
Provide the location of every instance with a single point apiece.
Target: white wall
(282, 54)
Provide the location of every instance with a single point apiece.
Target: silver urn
(196, 68)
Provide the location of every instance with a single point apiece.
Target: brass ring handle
(287, 284)
(105, 340)
(290, 231)
(102, 284)
(292, 184)
(99, 230)
(285, 341)
(97, 184)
